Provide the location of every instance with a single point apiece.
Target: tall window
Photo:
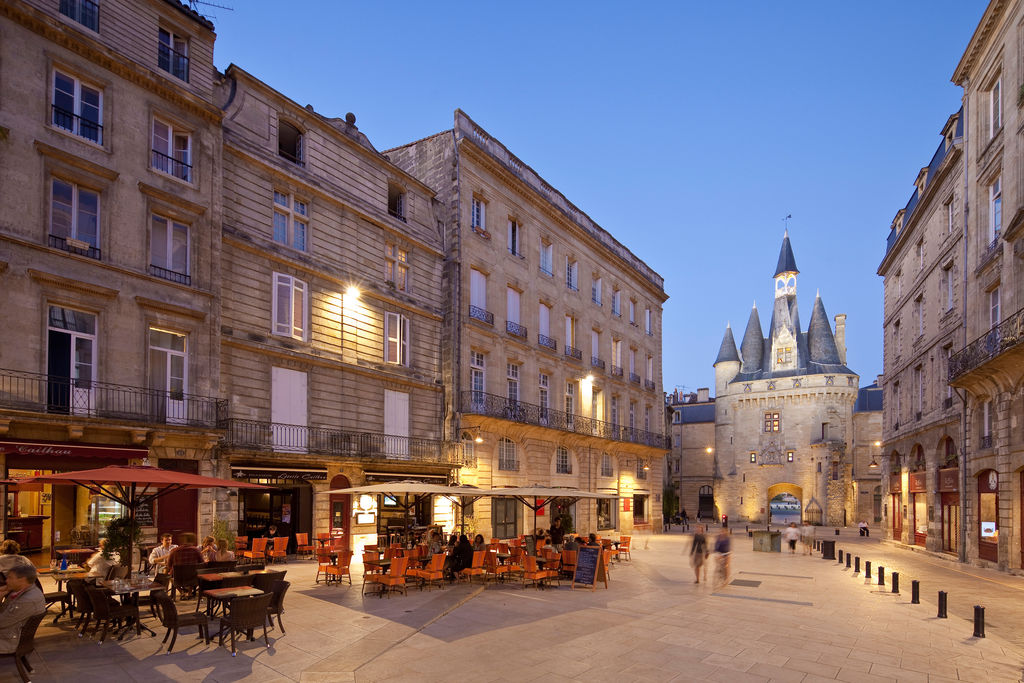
(632, 417)
(476, 376)
(650, 368)
(168, 249)
(572, 274)
(291, 220)
(512, 378)
(396, 201)
(595, 291)
(85, 12)
(172, 151)
(995, 107)
(563, 463)
(632, 312)
(547, 255)
(648, 323)
(606, 465)
(77, 107)
(919, 315)
(70, 360)
(290, 142)
(615, 411)
(74, 217)
(512, 306)
(514, 238)
(995, 209)
(647, 418)
(507, 458)
(949, 215)
(172, 54)
(772, 423)
(543, 382)
(993, 307)
(918, 390)
(632, 362)
(478, 289)
(570, 332)
(897, 342)
(595, 345)
(396, 267)
(641, 470)
(948, 355)
(898, 402)
(570, 403)
(396, 333)
(478, 215)
(986, 422)
(617, 353)
(616, 302)
(168, 372)
(947, 285)
(289, 312)
(544, 315)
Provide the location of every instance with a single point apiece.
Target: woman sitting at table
(461, 558)
(222, 554)
(208, 549)
(434, 543)
(478, 542)
(98, 565)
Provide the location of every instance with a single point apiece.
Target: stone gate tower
(784, 416)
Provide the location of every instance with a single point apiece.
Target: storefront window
(987, 517)
(639, 509)
(605, 514)
(920, 513)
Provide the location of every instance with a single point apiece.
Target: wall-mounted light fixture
(472, 433)
(874, 463)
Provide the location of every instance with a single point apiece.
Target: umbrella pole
(131, 527)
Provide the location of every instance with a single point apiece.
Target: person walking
(699, 553)
(791, 535)
(807, 537)
(864, 530)
(723, 549)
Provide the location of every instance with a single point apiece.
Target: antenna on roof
(786, 221)
(193, 5)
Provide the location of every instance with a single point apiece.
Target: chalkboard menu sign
(144, 514)
(589, 568)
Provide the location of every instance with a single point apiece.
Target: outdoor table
(129, 592)
(60, 577)
(224, 595)
(76, 555)
(503, 557)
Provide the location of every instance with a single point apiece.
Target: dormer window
(289, 142)
(396, 202)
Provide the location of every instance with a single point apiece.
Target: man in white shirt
(158, 558)
(791, 535)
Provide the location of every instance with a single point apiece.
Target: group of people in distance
(700, 552)
(805, 534)
(166, 555)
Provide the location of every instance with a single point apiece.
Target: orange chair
(342, 568)
(607, 554)
(241, 542)
(495, 540)
(280, 549)
(432, 572)
(258, 552)
(568, 562)
(503, 548)
(477, 568)
(323, 565)
(531, 572)
(514, 565)
(303, 546)
(394, 579)
(624, 544)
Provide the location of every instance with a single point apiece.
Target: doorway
(341, 512)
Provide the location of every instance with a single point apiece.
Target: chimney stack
(841, 336)
(702, 394)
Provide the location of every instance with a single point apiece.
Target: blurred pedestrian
(807, 537)
(791, 535)
(723, 551)
(699, 553)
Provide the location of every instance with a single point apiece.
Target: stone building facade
(784, 415)
(692, 466)
(109, 255)
(554, 332)
(923, 269)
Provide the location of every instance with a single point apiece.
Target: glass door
(168, 374)
(71, 359)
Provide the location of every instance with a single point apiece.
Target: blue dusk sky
(688, 130)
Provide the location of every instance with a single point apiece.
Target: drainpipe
(962, 546)
(456, 285)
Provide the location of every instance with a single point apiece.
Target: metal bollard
(856, 565)
(979, 621)
(915, 592)
(881, 576)
(840, 557)
(895, 582)
(848, 560)
(942, 605)
(867, 570)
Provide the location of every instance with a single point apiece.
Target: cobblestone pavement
(784, 617)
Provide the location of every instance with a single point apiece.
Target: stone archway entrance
(784, 504)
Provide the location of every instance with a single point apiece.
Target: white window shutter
(282, 304)
(545, 320)
(299, 309)
(405, 341)
(391, 337)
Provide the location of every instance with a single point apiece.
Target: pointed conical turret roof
(787, 262)
(727, 351)
(821, 342)
(752, 348)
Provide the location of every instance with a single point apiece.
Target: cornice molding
(173, 309)
(76, 161)
(74, 285)
(170, 198)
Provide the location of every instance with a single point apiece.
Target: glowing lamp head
(352, 292)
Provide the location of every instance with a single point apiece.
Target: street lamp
(874, 463)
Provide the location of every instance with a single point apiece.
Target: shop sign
(43, 449)
(988, 482)
(271, 473)
(949, 479)
(918, 482)
(895, 483)
(988, 529)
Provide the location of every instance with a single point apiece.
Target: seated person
(434, 543)
(9, 556)
(222, 554)
(22, 600)
(186, 553)
(572, 543)
(592, 541)
(478, 542)
(208, 549)
(158, 558)
(461, 557)
(98, 565)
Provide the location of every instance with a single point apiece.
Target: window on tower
(772, 423)
(783, 355)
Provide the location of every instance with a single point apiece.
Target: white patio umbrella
(418, 490)
(528, 495)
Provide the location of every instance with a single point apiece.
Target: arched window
(607, 469)
(917, 461)
(951, 458)
(507, 458)
(563, 463)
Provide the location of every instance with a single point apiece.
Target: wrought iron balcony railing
(547, 342)
(285, 438)
(179, 168)
(73, 123)
(649, 384)
(51, 394)
(484, 316)
(634, 378)
(167, 274)
(573, 352)
(1000, 339)
(173, 62)
(74, 246)
(596, 362)
(616, 371)
(515, 329)
(493, 405)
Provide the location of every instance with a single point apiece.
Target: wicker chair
(107, 611)
(265, 582)
(77, 588)
(63, 597)
(26, 646)
(277, 604)
(213, 604)
(172, 619)
(185, 579)
(246, 614)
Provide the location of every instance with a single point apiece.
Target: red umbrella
(134, 485)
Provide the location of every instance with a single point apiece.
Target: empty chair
(323, 565)
(172, 620)
(433, 572)
(106, 610)
(276, 605)
(184, 579)
(343, 567)
(477, 568)
(82, 603)
(63, 597)
(624, 545)
(280, 549)
(303, 546)
(26, 645)
(394, 579)
(246, 614)
(265, 582)
(569, 562)
(259, 545)
(532, 572)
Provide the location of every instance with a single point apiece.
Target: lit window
(753, 457)
(507, 459)
(396, 267)
(172, 54)
(396, 332)
(77, 107)
(291, 221)
(789, 456)
(772, 423)
(289, 306)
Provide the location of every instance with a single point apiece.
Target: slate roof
(752, 349)
(697, 412)
(727, 351)
(869, 399)
(787, 263)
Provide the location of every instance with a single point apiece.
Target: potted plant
(121, 540)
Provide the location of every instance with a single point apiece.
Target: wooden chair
(303, 546)
(342, 568)
(107, 611)
(624, 544)
(172, 620)
(434, 571)
(259, 546)
(532, 572)
(241, 543)
(568, 566)
(26, 646)
(276, 606)
(477, 568)
(280, 549)
(513, 566)
(323, 564)
(325, 537)
(395, 578)
(246, 614)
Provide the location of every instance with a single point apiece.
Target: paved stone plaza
(795, 618)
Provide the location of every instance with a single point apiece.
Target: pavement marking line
(785, 576)
(440, 616)
(751, 597)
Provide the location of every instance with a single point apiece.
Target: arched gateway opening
(784, 504)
